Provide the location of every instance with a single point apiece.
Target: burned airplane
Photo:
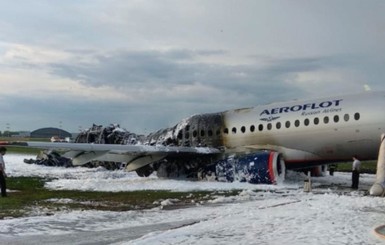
(252, 144)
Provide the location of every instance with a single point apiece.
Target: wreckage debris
(51, 159)
(112, 134)
(97, 134)
(190, 132)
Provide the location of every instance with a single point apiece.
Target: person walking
(3, 175)
(356, 172)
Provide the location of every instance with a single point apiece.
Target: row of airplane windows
(278, 125)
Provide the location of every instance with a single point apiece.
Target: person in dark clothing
(356, 172)
(3, 175)
(332, 169)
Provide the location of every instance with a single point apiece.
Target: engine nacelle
(266, 167)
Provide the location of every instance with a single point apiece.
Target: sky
(148, 64)
(331, 213)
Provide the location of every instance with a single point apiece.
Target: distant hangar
(50, 132)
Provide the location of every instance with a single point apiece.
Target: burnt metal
(203, 130)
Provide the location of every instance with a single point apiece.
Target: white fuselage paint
(339, 139)
(355, 124)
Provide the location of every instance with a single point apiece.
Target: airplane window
(234, 130)
(243, 129)
(357, 116)
(269, 126)
(326, 120)
(306, 122)
(187, 128)
(252, 128)
(260, 127)
(180, 136)
(278, 125)
(226, 131)
(346, 117)
(210, 133)
(202, 133)
(195, 133)
(336, 118)
(187, 135)
(316, 120)
(287, 124)
(296, 123)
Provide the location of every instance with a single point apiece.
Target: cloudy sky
(148, 64)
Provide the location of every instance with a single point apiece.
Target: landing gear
(378, 188)
(145, 171)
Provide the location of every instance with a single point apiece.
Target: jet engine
(266, 167)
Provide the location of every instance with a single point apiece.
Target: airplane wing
(135, 156)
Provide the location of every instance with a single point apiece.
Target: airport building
(50, 132)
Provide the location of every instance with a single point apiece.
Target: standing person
(332, 168)
(356, 172)
(3, 175)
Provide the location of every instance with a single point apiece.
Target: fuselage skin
(304, 132)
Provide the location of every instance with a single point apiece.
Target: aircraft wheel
(144, 171)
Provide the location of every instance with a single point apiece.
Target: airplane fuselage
(319, 130)
(299, 133)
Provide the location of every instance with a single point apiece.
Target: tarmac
(95, 237)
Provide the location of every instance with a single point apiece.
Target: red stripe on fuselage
(271, 167)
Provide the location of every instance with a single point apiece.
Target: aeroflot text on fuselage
(303, 107)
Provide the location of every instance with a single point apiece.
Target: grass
(20, 149)
(366, 167)
(31, 197)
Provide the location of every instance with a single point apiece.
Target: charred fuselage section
(202, 130)
(96, 134)
(195, 131)
(205, 130)
(112, 134)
